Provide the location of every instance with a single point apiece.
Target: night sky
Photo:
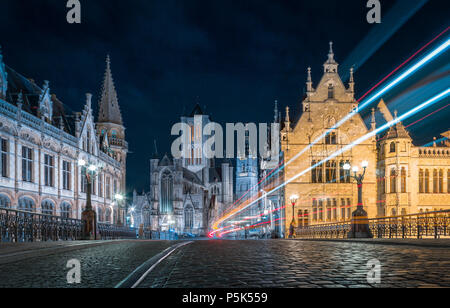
(233, 56)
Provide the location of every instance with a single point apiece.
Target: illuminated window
(331, 138)
(403, 180)
(393, 179)
(4, 158)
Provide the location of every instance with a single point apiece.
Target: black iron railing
(21, 226)
(424, 225)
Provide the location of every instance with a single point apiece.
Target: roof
(397, 131)
(191, 177)
(109, 110)
(197, 110)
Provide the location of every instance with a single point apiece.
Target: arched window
(47, 207)
(189, 217)
(65, 210)
(100, 215)
(403, 180)
(392, 147)
(393, 181)
(108, 215)
(421, 181)
(26, 204)
(427, 181)
(5, 202)
(166, 204)
(435, 181)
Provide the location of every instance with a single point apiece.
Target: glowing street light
(360, 221)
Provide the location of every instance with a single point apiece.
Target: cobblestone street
(223, 264)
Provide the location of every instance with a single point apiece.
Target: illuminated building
(41, 145)
(401, 178)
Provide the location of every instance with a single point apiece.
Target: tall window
(448, 181)
(26, 204)
(392, 147)
(88, 142)
(331, 171)
(427, 181)
(330, 91)
(320, 210)
(344, 174)
(47, 207)
(4, 158)
(100, 185)
(315, 209)
(94, 186)
(166, 206)
(343, 209)
(421, 181)
(393, 181)
(66, 175)
(403, 180)
(108, 187)
(5, 202)
(48, 170)
(349, 208)
(435, 181)
(189, 217)
(334, 209)
(27, 164)
(84, 183)
(114, 187)
(316, 173)
(66, 210)
(331, 138)
(328, 209)
(441, 181)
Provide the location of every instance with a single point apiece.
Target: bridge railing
(22, 226)
(423, 225)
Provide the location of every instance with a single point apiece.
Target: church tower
(110, 125)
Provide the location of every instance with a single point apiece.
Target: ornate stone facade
(185, 194)
(41, 145)
(395, 182)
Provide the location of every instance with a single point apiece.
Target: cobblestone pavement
(295, 264)
(101, 266)
(241, 264)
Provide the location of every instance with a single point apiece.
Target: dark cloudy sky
(237, 56)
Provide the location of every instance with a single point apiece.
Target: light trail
(406, 115)
(413, 69)
(429, 57)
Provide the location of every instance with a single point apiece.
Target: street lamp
(119, 198)
(360, 220)
(89, 216)
(293, 199)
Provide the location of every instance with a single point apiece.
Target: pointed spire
(331, 53)
(109, 110)
(309, 87)
(373, 122)
(331, 65)
(351, 83)
(288, 120)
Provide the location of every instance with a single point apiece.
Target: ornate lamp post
(360, 220)
(89, 216)
(293, 199)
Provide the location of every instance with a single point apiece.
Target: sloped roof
(197, 110)
(191, 177)
(397, 131)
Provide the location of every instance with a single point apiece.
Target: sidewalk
(430, 243)
(12, 252)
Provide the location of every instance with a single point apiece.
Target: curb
(418, 243)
